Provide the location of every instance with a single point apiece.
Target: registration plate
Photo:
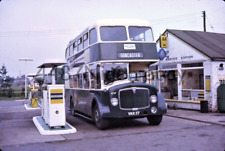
(133, 113)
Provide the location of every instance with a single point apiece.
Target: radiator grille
(134, 98)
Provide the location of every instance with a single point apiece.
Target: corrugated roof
(210, 44)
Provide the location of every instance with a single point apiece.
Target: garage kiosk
(191, 70)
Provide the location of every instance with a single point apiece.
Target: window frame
(80, 44)
(85, 40)
(90, 36)
(75, 47)
(112, 38)
(71, 49)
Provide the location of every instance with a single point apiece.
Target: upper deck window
(67, 52)
(85, 38)
(80, 46)
(71, 50)
(115, 33)
(140, 34)
(75, 48)
(93, 36)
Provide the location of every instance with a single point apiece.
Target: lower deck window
(114, 72)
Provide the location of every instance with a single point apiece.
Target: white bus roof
(122, 22)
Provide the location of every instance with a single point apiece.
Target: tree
(3, 73)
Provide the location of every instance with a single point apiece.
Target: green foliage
(5, 81)
(3, 72)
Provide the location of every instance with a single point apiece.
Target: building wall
(216, 74)
(179, 52)
(208, 72)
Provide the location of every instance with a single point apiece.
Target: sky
(41, 29)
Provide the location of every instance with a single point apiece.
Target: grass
(11, 98)
(16, 94)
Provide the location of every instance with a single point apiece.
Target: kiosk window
(193, 79)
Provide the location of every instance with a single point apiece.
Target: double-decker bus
(107, 71)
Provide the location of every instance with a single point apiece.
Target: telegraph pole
(204, 21)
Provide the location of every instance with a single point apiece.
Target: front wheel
(154, 119)
(101, 123)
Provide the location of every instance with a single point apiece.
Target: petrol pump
(33, 96)
(53, 102)
(53, 117)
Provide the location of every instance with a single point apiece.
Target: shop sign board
(162, 54)
(163, 41)
(178, 51)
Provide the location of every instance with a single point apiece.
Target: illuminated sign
(163, 41)
(162, 54)
(207, 83)
(131, 55)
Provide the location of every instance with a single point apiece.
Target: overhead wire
(210, 23)
(179, 18)
(38, 32)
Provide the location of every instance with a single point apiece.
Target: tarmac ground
(17, 130)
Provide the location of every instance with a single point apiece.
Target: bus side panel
(161, 103)
(84, 101)
(111, 51)
(102, 100)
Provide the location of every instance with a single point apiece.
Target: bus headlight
(153, 109)
(114, 101)
(153, 99)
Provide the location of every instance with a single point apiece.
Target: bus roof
(121, 22)
(113, 22)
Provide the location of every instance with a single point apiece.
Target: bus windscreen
(115, 33)
(140, 34)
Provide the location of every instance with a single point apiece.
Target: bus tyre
(100, 122)
(154, 119)
(72, 108)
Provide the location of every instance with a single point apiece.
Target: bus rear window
(115, 33)
(140, 34)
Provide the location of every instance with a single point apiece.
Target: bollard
(204, 106)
